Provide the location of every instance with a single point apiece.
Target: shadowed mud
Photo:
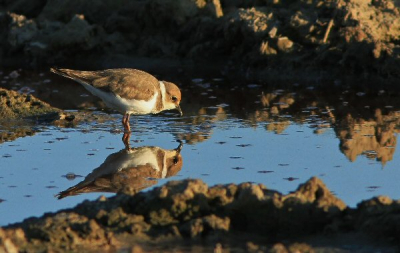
(355, 37)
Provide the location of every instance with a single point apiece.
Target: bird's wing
(135, 178)
(102, 184)
(127, 83)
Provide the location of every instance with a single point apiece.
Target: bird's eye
(174, 99)
(175, 161)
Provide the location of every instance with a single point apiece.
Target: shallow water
(279, 137)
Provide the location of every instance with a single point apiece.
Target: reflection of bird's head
(173, 160)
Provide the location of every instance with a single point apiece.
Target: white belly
(123, 105)
(142, 157)
(137, 106)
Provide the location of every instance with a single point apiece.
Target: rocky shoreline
(354, 37)
(189, 212)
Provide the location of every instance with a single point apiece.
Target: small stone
(14, 74)
(102, 198)
(278, 248)
(10, 246)
(272, 32)
(265, 49)
(251, 246)
(284, 44)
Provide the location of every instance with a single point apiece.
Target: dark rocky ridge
(189, 209)
(353, 37)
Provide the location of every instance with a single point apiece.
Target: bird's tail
(62, 72)
(83, 187)
(77, 75)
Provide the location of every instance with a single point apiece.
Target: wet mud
(186, 213)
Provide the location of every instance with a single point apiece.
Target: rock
(64, 11)
(379, 216)
(76, 33)
(369, 33)
(215, 8)
(14, 74)
(272, 32)
(278, 248)
(25, 7)
(314, 191)
(201, 227)
(284, 44)
(9, 246)
(265, 49)
(22, 30)
(250, 22)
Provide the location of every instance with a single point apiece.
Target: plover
(130, 170)
(129, 91)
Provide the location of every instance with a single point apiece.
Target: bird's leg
(125, 139)
(125, 122)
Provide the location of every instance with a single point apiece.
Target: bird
(129, 171)
(129, 91)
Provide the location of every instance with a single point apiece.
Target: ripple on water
(243, 145)
(238, 168)
(290, 179)
(265, 171)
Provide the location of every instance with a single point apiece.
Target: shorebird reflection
(129, 171)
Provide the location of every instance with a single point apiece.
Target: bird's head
(173, 97)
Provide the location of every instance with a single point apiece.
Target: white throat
(163, 94)
(164, 169)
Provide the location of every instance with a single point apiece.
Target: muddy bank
(15, 108)
(189, 212)
(23, 114)
(354, 37)
(16, 105)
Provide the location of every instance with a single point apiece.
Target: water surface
(231, 133)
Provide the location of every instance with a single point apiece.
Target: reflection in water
(365, 124)
(375, 138)
(204, 122)
(129, 171)
(365, 119)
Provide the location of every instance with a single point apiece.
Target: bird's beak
(179, 109)
(179, 148)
